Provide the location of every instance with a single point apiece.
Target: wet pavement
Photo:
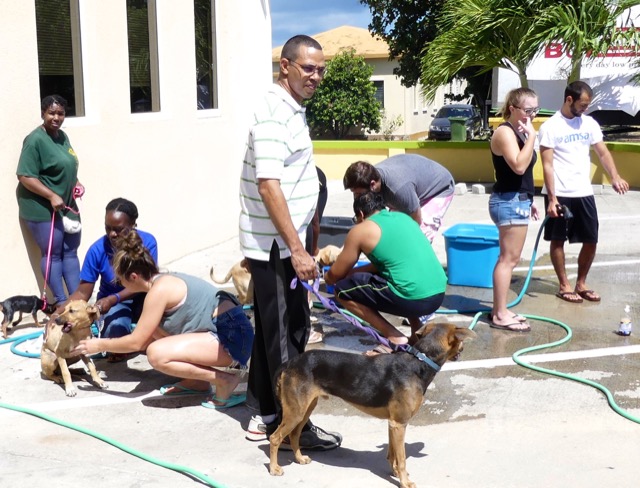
(486, 422)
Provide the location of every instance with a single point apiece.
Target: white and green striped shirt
(279, 147)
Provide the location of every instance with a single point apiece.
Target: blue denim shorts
(510, 208)
(235, 332)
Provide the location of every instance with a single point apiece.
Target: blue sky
(291, 17)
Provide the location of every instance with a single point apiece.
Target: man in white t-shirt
(565, 143)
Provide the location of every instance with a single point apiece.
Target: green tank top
(405, 258)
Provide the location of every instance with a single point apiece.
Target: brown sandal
(569, 296)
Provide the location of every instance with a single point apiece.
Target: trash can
(458, 129)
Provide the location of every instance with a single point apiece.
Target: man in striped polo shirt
(278, 195)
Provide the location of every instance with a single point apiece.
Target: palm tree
(586, 29)
(479, 33)
(510, 33)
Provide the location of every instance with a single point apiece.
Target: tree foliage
(486, 34)
(407, 27)
(345, 99)
(587, 29)
(482, 34)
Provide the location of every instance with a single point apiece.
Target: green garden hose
(516, 356)
(181, 469)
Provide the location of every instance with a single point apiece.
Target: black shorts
(583, 227)
(373, 291)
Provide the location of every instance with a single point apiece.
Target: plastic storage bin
(361, 262)
(472, 253)
(333, 230)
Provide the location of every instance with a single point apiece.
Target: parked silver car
(440, 128)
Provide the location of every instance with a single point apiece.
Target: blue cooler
(472, 253)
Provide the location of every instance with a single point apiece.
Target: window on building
(144, 82)
(206, 63)
(59, 52)
(379, 92)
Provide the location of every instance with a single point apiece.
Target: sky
(291, 17)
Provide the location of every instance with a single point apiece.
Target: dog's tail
(278, 381)
(213, 277)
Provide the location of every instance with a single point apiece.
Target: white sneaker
(315, 337)
(423, 319)
(257, 430)
(427, 318)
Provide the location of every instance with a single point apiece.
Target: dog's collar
(422, 357)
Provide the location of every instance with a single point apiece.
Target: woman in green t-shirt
(48, 182)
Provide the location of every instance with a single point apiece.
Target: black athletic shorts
(373, 291)
(583, 227)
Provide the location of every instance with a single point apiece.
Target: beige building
(162, 93)
(396, 99)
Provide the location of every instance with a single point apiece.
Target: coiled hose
(517, 355)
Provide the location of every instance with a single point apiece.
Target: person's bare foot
(398, 341)
(225, 386)
(187, 384)
(510, 324)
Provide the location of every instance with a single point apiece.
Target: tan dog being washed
(241, 277)
(240, 274)
(62, 337)
(386, 386)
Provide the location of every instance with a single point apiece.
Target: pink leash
(48, 267)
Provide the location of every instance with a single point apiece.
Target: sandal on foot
(516, 316)
(588, 295)
(232, 401)
(176, 389)
(114, 357)
(569, 296)
(512, 327)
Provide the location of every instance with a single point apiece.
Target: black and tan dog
(386, 386)
(23, 304)
(62, 337)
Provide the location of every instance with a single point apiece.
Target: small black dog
(23, 304)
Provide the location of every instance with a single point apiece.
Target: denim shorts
(235, 332)
(510, 208)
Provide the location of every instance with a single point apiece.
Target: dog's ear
(50, 308)
(425, 329)
(93, 310)
(464, 333)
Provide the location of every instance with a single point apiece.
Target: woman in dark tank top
(511, 203)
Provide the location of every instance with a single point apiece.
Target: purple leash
(330, 305)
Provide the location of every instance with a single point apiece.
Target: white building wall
(180, 165)
(416, 113)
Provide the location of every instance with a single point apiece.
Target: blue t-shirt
(97, 263)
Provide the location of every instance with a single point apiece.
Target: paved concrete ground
(485, 423)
